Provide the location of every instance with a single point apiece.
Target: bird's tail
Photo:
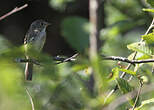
(28, 71)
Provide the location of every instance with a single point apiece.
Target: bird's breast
(39, 41)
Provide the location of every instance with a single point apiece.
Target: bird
(34, 40)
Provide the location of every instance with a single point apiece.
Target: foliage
(59, 4)
(83, 84)
(151, 2)
(76, 32)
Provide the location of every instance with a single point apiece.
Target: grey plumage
(34, 40)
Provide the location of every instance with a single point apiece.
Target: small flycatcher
(34, 40)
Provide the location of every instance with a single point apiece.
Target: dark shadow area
(15, 26)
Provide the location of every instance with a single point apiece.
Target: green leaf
(59, 4)
(115, 74)
(124, 85)
(144, 79)
(139, 56)
(149, 10)
(127, 71)
(145, 103)
(78, 67)
(140, 47)
(10, 80)
(13, 52)
(149, 38)
(151, 2)
(113, 30)
(75, 31)
(125, 88)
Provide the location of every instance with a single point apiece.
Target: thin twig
(13, 11)
(138, 93)
(124, 98)
(62, 60)
(58, 59)
(73, 58)
(129, 65)
(30, 98)
(20, 60)
(150, 27)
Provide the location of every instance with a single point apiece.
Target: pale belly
(39, 42)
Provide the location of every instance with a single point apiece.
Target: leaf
(149, 10)
(78, 67)
(127, 71)
(151, 2)
(115, 74)
(59, 4)
(144, 79)
(13, 52)
(124, 85)
(149, 38)
(75, 31)
(125, 88)
(140, 47)
(10, 80)
(113, 30)
(139, 56)
(145, 103)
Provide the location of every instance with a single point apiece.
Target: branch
(123, 59)
(129, 65)
(124, 98)
(62, 60)
(138, 93)
(73, 58)
(20, 60)
(30, 98)
(13, 11)
(58, 59)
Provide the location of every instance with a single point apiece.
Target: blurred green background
(71, 85)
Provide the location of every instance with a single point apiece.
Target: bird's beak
(48, 23)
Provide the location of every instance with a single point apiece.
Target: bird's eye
(42, 23)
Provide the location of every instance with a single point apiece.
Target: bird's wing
(30, 36)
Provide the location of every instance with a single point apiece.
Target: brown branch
(13, 11)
